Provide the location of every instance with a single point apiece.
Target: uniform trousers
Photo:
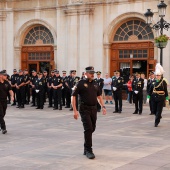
(64, 96)
(14, 91)
(118, 100)
(3, 107)
(33, 96)
(88, 118)
(157, 107)
(40, 99)
(27, 93)
(57, 94)
(138, 100)
(68, 97)
(21, 96)
(50, 96)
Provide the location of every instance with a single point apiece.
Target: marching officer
(149, 83)
(20, 87)
(27, 87)
(137, 87)
(100, 83)
(117, 85)
(50, 89)
(13, 83)
(64, 88)
(57, 83)
(39, 89)
(89, 93)
(158, 93)
(32, 83)
(5, 87)
(45, 77)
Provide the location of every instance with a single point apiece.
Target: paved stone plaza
(53, 140)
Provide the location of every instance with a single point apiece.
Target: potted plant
(161, 41)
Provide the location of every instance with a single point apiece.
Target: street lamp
(161, 24)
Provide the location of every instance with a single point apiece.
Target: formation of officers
(57, 88)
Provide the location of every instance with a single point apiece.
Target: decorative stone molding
(107, 45)
(3, 17)
(79, 9)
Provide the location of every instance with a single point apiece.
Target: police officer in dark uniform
(32, 83)
(137, 87)
(57, 83)
(100, 83)
(117, 85)
(39, 89)
(27, 86)
(68, 90)
(13, 82)
(64, 88)
(158, 93)
(89, 92)
(5, 87)
(45, 77)
(20, 87)
(149, 83)
(50, 89)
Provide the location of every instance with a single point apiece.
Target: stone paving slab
(53, 140)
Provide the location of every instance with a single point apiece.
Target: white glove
(73, 88)
(114, 88)
(147, 100)
(37, 91)
(136, 92)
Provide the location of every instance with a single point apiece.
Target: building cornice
(2, 16)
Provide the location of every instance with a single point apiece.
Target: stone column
(2, 40)
(106, 58)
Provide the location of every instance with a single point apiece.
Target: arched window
(39, 35)
(133, 30)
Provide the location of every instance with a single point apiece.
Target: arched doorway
(132, 49)
(37, 50)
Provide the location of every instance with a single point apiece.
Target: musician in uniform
(117, 85)
(158, 93)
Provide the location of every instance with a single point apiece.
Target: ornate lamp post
(160, 25)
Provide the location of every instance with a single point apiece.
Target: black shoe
(18, 106)
(140, 113)
(38, 108)
(27, 103)
(33, 105)
(60, 109)
(55, 108)
(67, 107)
(156, 124)
(71, 109)
(14, 104)
(119, 112)
(90, 155)
(4, 131)
(50, 106)
(21, 107)
(135, 113)
(41, 108)
(8, 102)
(84, 153)
(151, 114)
(115, 111)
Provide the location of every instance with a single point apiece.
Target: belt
(90, 107)
(159, 92)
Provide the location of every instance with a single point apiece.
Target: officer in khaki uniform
(117, 85)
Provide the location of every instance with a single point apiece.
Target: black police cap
(14, 70)
(3, 73)
(44, 71)
(72, 71)
(20, 71)
(90, 69)
(33, 71)
(56, 72)
(64, 71)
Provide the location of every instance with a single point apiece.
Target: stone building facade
(73, 34)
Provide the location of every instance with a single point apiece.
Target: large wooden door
(38, 58)
(132, 52)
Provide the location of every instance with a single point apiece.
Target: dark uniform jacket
(14, 79)
(118, 83)
(149, 82)
(27, 78)
(56, 81)
(40, 84)
(158, 90)
(137, 85)
(4, 89)
(33, 79)
(100, 83)
(88, 92)
(20, 80)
